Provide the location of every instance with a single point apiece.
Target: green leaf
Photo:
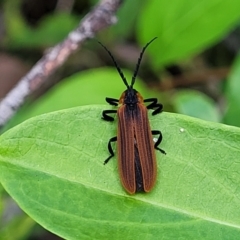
(196, 104)
(126, 19)
(232, 94)
(185, 27)
(47, 33)
(52, 165)
(1, 199)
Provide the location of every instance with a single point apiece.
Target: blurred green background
(193, 67)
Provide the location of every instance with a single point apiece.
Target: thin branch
(100, 17)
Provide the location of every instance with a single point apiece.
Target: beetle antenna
(116, 65)
(139, 61)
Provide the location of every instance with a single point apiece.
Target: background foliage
(193, 68)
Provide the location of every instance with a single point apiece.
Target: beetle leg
(157, 107)
(106, 117)
(157, 132)
(112, 101)
(111, 140)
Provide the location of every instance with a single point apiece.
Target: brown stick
(100, 17)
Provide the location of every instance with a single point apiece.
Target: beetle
(135, 147)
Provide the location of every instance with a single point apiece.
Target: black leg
(157, 107)
(105, 113)
(106, 117)
(157, 132)
(112, 101)
(111, 140)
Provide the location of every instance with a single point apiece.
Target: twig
(100, 17)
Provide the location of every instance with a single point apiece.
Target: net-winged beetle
(136, 156)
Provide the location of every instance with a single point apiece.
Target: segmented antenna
(116, 65)
(139, 61)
